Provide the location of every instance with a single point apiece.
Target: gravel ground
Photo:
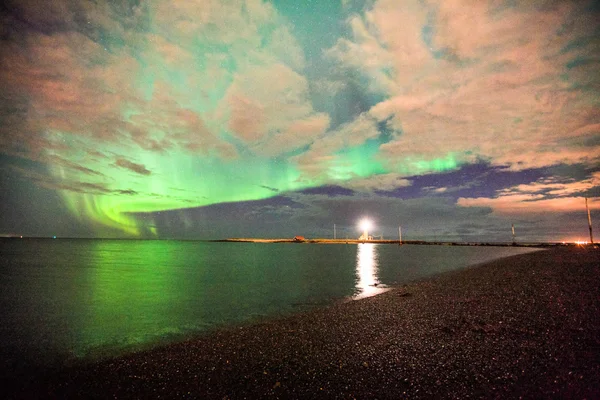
(525, 326)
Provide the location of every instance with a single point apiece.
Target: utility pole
(513, 234)
(334, 234)
(589, 221)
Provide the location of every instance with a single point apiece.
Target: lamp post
(589, 222)
(513, 234)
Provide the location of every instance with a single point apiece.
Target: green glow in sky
(193, 124)
(174, 182)
(412, 166)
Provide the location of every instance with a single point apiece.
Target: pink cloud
(247, 118)
(545, 195)
(268, 107)
(530, 204)
(299, 133)
(63, 93)
(490, 86)
(556, 187)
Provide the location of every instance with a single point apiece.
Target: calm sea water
(71, 299)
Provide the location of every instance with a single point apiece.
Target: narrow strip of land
(523, 326)
(383, 241)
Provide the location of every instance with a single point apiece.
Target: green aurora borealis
(177, 177)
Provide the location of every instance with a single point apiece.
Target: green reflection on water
(134, 294)
(143, 292)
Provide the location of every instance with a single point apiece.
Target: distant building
(299, 239)
(365, 236)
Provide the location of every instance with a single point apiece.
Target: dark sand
(526, 326)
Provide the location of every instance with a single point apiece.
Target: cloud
(163, 125)
(137, 168)
(128, 75)
(50, 182)
(328, 191)
(556, 186)
(434, 189)
(268, 108)
(382, 182)
(246, 119)
(478, 81)
(88, 86)
(72, 165)
(297, 134)
(272, 189)
(128, 192)
(545, 195)
(321, 163)
(62, 91)
(529, 204)
(256, 78)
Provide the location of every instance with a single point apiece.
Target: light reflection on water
(367, 264)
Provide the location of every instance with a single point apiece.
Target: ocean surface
(63, 300)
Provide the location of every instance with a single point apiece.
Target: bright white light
(365, 225)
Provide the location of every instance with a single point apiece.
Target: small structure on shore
(299, 239)
(365, 237)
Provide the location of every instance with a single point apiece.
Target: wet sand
(527, 325)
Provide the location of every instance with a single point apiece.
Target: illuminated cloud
(338, 156)
(557, 187)
(544, 196)
(530, 204)
(435, 189)
(479, 81)
(267, 107)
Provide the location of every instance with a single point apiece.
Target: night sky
(213, 118)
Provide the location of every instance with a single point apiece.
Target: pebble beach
(526, 326)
